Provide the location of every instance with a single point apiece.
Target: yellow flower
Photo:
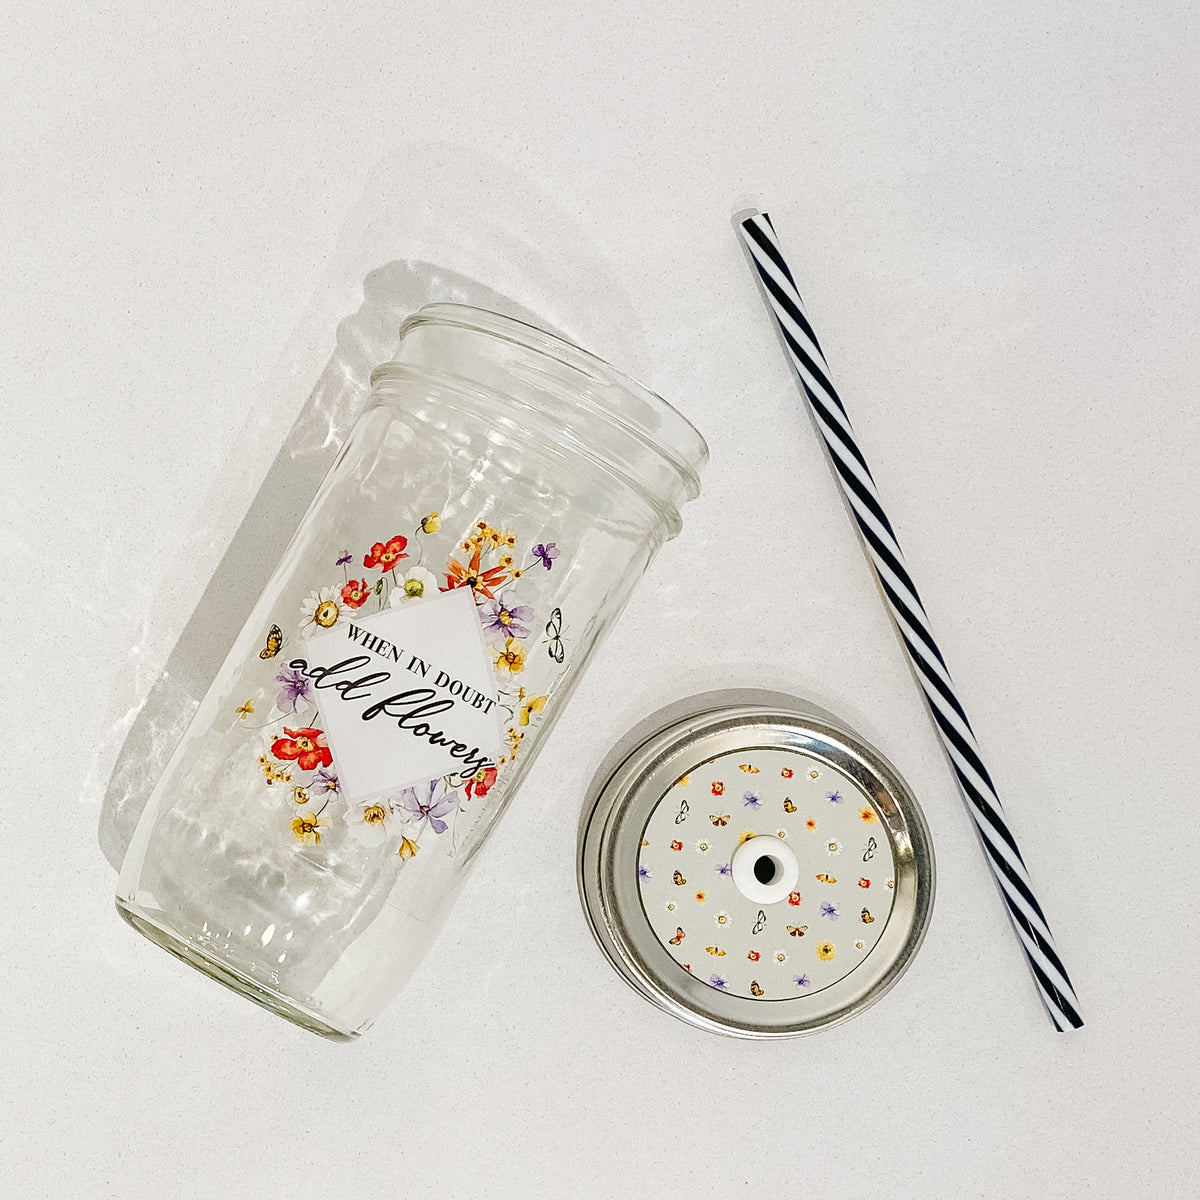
(244, 710)
(684, 781)
(300, 795)
(307, 828)
(408, 848)
(536, 704)
(507, 538)
(514, 739)
(506, 561)
(866, 813)
(431, 523)
(510, 660)
(517, 573)
(374, 814)
(488, 534)
(826, 951)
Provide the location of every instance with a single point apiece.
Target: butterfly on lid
(797, 930)
(679, 935)
(827, 879)
(788, 806)
(867, 919)
(715, 951)
(679, 879)
(750, 770)
(554, 633)
(274, 643)
(723, 819)
(755, 988)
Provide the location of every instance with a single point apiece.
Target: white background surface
(991, 213)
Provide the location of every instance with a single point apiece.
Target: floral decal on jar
(298, 764)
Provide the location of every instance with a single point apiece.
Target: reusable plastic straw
(879, 539)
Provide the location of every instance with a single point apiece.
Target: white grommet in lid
(764, 869)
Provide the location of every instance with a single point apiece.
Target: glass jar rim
(678, 441)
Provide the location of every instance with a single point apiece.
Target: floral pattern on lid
(790, 947)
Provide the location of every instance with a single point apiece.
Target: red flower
(305, 746)
(786, 772)
(864, 882)
(676, 845)
(480, 783)
(386, 555)
(794, 898)
(754, 956)
(718, 788)
(356, 593)
(471, 576)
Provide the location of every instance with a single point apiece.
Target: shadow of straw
(364, 340)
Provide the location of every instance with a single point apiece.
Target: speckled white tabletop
(991, 215)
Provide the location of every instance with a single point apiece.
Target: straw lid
(752, 866)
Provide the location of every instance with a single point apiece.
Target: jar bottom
(229, 976)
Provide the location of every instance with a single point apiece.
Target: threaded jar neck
(560, 390)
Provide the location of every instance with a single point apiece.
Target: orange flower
(306, 747)
(471, 576)
(867, 814)
(481, 782)
(385, 555)
(356, 593)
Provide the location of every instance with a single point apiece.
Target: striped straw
(999, 845)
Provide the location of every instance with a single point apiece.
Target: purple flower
(346, 556)
(420, 803)
(295, 689)
(750, 800)
(717, 982)
(507, 617)
(643, 872)
(325, 780)
(834, 797)
(829, 910)
(801, 980)
(725, 869)
(546, 554)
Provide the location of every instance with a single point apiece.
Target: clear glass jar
(480, 532)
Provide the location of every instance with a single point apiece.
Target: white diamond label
(406, 696)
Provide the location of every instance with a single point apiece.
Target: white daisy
(322, 610)
(723, 918)
(859, 945)
(781, 956)
(703, 846)
(418, 584)
(670, 906)
(375, 823)
(833, 846)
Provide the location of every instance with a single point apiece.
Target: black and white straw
(999, 845)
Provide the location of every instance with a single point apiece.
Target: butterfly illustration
(679, 935)
(747, 768)
(867, 919)
(554, 633)
(869, 852)
(797, 930)
(788, 806)
(719, 820)
(755, 988)
(827, 879)
(274, 642)
(760, 924)
(679, 879)
(244, 710)
(715, 951)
